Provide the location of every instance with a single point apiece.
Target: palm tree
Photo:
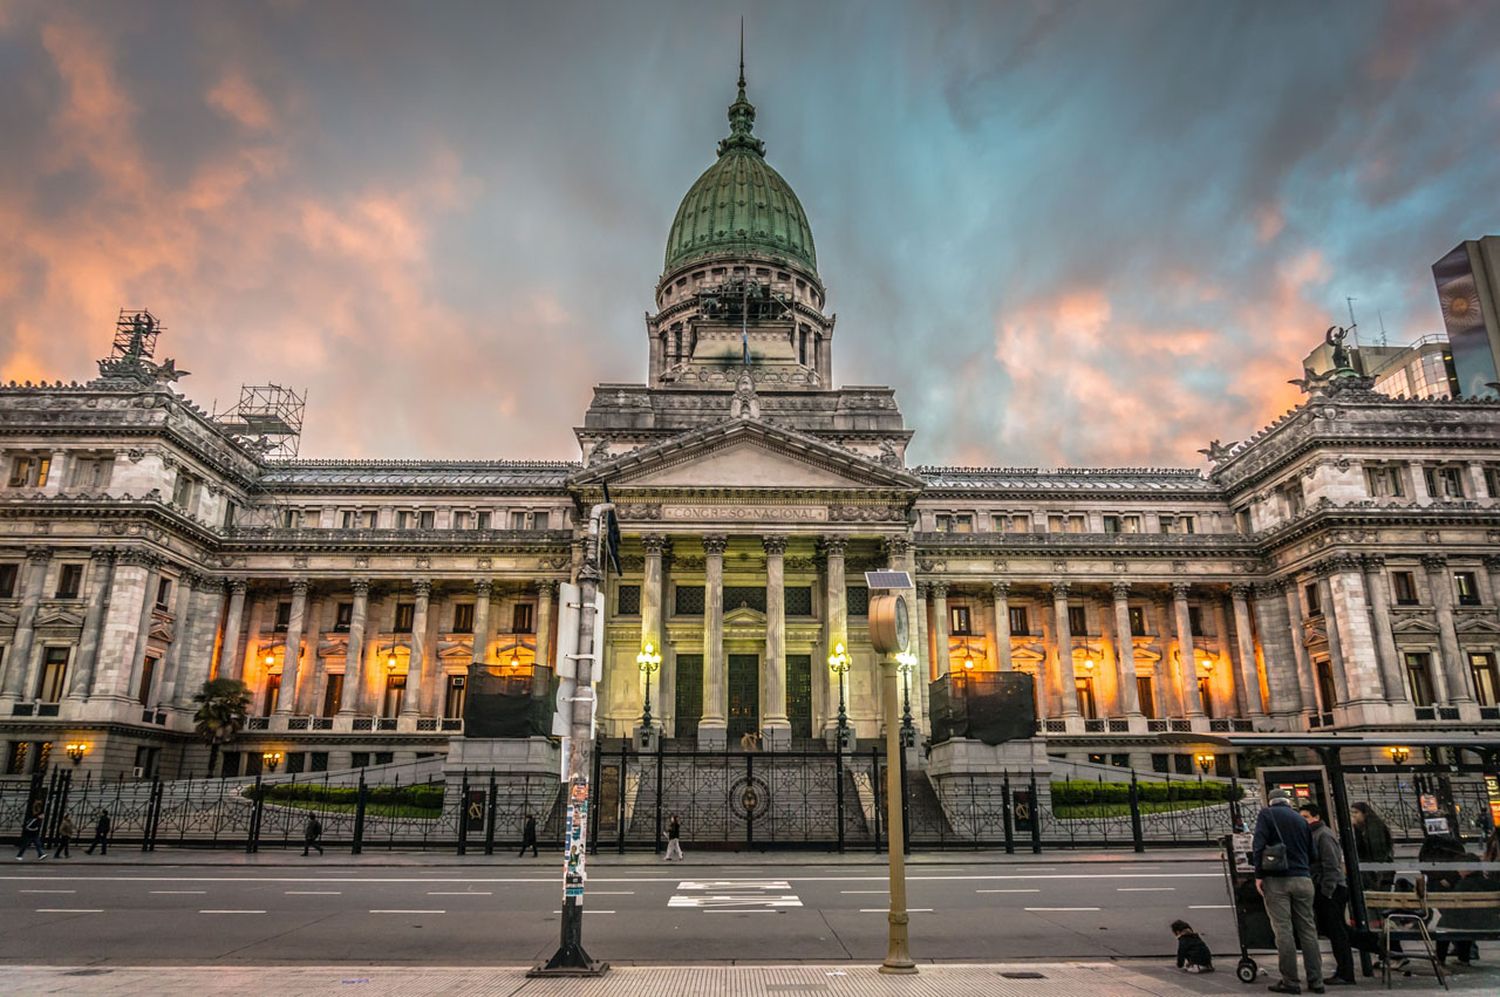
(223, 707)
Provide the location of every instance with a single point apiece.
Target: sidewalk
(271, 855)
(1023, 979)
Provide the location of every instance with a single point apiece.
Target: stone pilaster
(1065, 680)
(198, 653)
(231, 651)
(1249, 675)
(479, 654)
(939, 593)
(286, 698)
(416, 668)
(651, 615)
(183, 622)
(143, 632)
(1000, 593)
(101, 576)
(545, 590)
(1453, 667)
(1186, 654)
(778, 728)
(1130, 703)
(354, 657)
(18, 661)
(1380, 623)
(1168, 679)
(836, 627)
(1333, 623)
(1306, 684)
(713, 727)
(1284, 698)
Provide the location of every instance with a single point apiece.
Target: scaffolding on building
(136, 330)
(268, 419)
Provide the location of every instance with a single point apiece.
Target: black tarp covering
(993, 707)
(505, 706)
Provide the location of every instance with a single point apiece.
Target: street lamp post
(906, 663)
(648, 661)
(838, 663)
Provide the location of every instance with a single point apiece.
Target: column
(1186, 657)
(19, 657)
(1331, 624)
(1000, 591)
(1064, 678)
(939, 591)
(1380, 624)
(836, 627)
(1492, 565)
(652, 544)
(143, 631)
(286, 699)
(1249, 676)
(312, 632)
(1168, 679)
(416, 667)
(101, 574)
(354, 656)
(1454, 677)
(1276, 638)
(777, 727)
(1303, 666)
(231, 662)
(1130, 703)
(197, 654)
(923, 674)
(713, 727)
(479, 655)
(1226, 664)
(182, 628)
(544, 593)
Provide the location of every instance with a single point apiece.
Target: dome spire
(742, 114)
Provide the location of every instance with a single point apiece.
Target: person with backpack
(1282, 854)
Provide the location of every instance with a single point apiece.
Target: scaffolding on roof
(135, 334)
(268, 418)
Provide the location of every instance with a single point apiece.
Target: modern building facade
(1468, 287)
(1338, 570)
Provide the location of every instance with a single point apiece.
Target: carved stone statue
(1335, 337)
(745, 404)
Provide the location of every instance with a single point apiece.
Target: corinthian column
(544, 593)
(1380, 623)
(1186, 659)
(230, 661)
(416, 667)
(939, 593)
(354, 656)
(713, 727)
(286, 699)
(1130, 702)
(653, 544)
(836, 629)
(1440, 581)
(19, 656)
(480, 647)
(1249, 676)
(777, 727)
(1001, 593)
(101, 574)
(1062, 632)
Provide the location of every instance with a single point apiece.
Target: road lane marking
(314, 893)
(70, 910)
(1208, 906)
(1145, 889)
(384, 910)
(177, 892)
(1008, 891)
(887, 910)
(231, 912)
(459, 893)
(552, 881)
(49, 891)
(753, 910)
(611, 893)
(1041, 909)
(887, 890)
(589, 910)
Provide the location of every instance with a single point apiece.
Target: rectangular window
(463, 520)
(1147, 697)
(1404, 584)
(273, 693)
(1419, 678)
(1291, 495)
(8, 576)
(405, 519)
(1466, 587)
(1130, 524)
(1195, 621)
(1383, 480)
(347, 519)
(1314, 603)
(1445, 482)
(183, 489)
(426, 519)
(359, 759)
(1328, 696)
(1482, 667)
(523, 617)
(798, 600)
(454, 697)
(229, 767)
(343, 617)
(463, 618)
(1165, 523)
(148, 672)
(857, 601)
(628, 600)
(69, 581)
(333, 693)
(29, 471)
(406, 615)
(163, 592)
(1137, 621)
(1020, 523)
(1077, 621)
(744, 597)
(688, 600)
(296, 762)
(1492, 480)
(963, 523)
(540, 521)
(320, 761)
(1078, 524)
(999, 523)
(384, 757)
(518, 520)
(283, 616)
(1020, 625)
(1111, 524)
(1206, 696)
(1161, 763)
(395, 694)
(1242, 521)
(482, 520)
(1056, 524)
(367, 519)
(91, 473)
(942, 522)
(231, 513)
(1187, 524)
(54, 671)
(958, 618)
(1086, 704)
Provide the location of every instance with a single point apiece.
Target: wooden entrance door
(799, 694)
(744, 694)
(689, 701)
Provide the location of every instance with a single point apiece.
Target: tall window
(540, 521)
(148, 672)
(628, 600)
(1383, 480)
(163, 593)
(1077, 620)
(1466, 587)
(1419, 678)
(1444, 482)
(273, 694)
(1404, 584)
(29, 471)
(69, 581)
(1206, 695)
(1137, 621)
(1144, 692)
(453, 700)
(426, 519)
(1111, 524)
(1195, 620)
(91, 473)
(333, 692)
(1292, 498)
(522, 618)
(54, 671)
(463, 618)
(958, 618)
(8, 576)
(283, 616)
(1327, 692)
(343, 617)
(857, 601)
(1314, 601)
(395, 694)
(406, 614)
(1086, 704)
(1482, 667)
(1020, 625)
(518, 520)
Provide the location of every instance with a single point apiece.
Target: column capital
(422, 587)
(102, 554)
(1121, 590)
(654, 543)
(1270, 589)
(38, 555)
(834, 544)
(1435, 562)
(1000, 590)
(237, 586)
(774, 544)
(714, 544)
(1240, 591)
(545, 587)
(1492, 562)
(1180, 590)
(1373, 562)
(1343, 562)
(482, 587)
(299, 587)
(939, 590)
(897, 546)
(361, 586)
(923, 590)
(1059, 589)
(191, 579)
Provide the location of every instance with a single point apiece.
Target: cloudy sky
(1087, 233)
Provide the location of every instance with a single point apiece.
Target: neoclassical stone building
(1340, 569)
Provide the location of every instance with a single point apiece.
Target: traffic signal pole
(571, 959)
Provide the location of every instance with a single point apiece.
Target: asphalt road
(69, 913)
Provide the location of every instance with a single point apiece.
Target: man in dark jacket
(1331, 892)
(1286, 883)
(31, 835)
(528, 836)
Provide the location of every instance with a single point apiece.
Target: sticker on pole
(575, 855)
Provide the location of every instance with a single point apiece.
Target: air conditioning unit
(139, 772)
(458, 681)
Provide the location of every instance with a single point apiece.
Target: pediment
(455, 650)
(160, 630)
(745, 454)
(1022, 655)
(1414, 625)
(1475, 625)
(743, 616)
(56, 618)
(333, 646)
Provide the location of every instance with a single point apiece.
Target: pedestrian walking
(1282, 853)
(65, 832)
(101, 834)
(674, 840)
(31, 834)
(312, 834)
(528, 836)
(1331, 894)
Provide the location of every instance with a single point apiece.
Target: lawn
(372, 809)
(1083, 811)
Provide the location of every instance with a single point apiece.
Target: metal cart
(1250, 920)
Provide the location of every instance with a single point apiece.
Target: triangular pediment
(57, 618)
(745, 454)
(1414, 625)
(160, 630)
(743, 616)
(1026, 655)
(456, 650)
(1475, 625)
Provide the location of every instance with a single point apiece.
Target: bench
(1421, 913)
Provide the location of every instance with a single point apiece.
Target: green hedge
(1076, 792)
(426, 795)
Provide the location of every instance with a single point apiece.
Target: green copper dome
(740, 204)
